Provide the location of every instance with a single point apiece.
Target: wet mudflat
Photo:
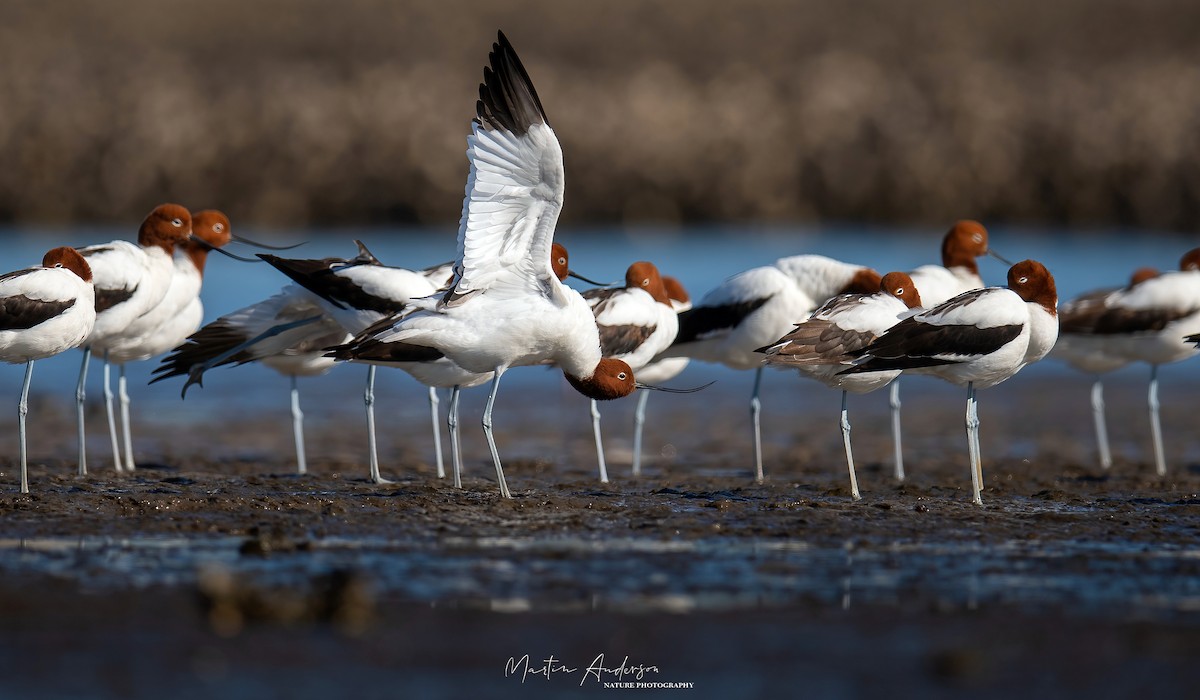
(213, 570)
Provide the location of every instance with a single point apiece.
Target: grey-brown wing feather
(819, 342)
(622, 340)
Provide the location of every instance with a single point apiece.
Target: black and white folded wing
(966, 328)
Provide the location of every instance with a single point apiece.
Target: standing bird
(130, 280)
(440, 372)
(756, 307)
(287, 332)
(636, 323)
(825, 344)
(979, 339)
(1081, 347)
(1148, 322)
(358, 293)
(173, 319)
(962, 245)
(506, 307)
(658, 371)
(44, 311)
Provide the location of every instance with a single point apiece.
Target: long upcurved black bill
(264, 246)
(211, 247)
(581, 278)
(669, 390)
(999, 257)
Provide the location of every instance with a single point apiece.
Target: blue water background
(701, 258)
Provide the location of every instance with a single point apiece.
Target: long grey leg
(369, 400)
(1160, 462)
(599, 444)
(123, 395)
(455, 445)
(22, 411)
(487, 432)
(973, 446)
(80, 395)
(639, 420)
(112, 421)
(894, 402)
(298, 429)
(1101, 424)
(437, 431)
(755, 410)
(845, 423)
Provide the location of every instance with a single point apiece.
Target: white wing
(515, 190)
(117, 266)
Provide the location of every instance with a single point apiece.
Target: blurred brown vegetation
(293, 112)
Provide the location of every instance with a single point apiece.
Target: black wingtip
(365, 256)
(507, 98)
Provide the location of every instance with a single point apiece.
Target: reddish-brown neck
(165, 227)
(964, 242)
(864, 281)
(1141, 275)
(1190, 260)
(612, 379)
(675, 290)
(558, 261)
(70, 259)
(901, 286)
(644, 275)
(1033, 282)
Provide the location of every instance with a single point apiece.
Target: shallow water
(701, 258)
(573, 573)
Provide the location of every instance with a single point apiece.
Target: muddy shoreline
(213, 570)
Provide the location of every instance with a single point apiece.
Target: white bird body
(60, 301)
(506, 306)
(826, 343)
(166, 324)
(977, 339)
(138, 277)
(995, 311)
(966, 241)
(756, 307)
(818, 347)
(937, 284)
(1156, 315)
(44, 311)
(636, 323)
(633, 326)
(503, 331)
(1144, 322)
(962, 245)
(1078, 343)
(663, 368)
(130, 281)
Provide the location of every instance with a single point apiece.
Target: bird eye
(58, 264)
(899, 291)
(646, 282)
(562, 261)
(622, 376)
(218, 227)
(177, 222)
(978, 238)
(1023, 280)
